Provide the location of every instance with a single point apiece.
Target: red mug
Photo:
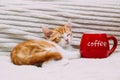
(96, 45)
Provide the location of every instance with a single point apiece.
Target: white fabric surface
(77, 69)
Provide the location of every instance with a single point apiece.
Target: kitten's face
(61, 35)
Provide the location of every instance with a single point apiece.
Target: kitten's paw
(48, 63)
(73, 55)
(78, 55)
(58, 63)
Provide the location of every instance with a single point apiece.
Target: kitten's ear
(68, 24)
(47, 32)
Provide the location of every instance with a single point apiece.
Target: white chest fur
(66, 53)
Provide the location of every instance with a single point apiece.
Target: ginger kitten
(36, 52)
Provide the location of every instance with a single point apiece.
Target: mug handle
(114, 45)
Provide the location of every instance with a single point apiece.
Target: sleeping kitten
(36, 52)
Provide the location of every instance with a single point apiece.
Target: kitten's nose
(67, 41)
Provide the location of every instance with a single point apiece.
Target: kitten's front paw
(77, 54)
(73, 55)
(51, 63)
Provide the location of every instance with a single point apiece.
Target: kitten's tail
(37, 58)
(43, 57)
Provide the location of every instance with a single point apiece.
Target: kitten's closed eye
(68, 35)
(61, 37)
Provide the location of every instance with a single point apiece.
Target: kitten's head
(61, 35)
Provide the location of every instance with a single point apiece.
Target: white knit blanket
(77, 69)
